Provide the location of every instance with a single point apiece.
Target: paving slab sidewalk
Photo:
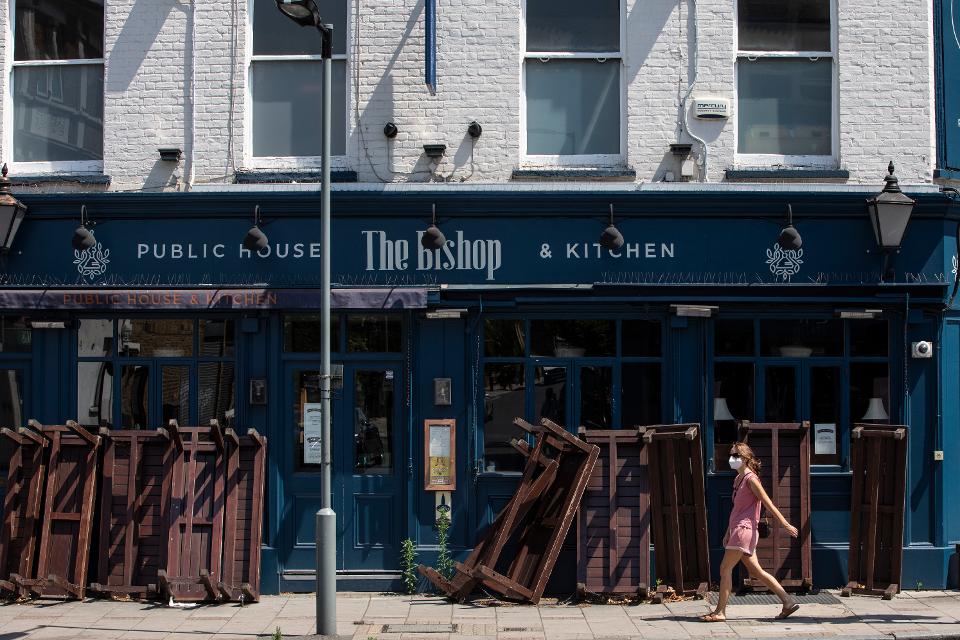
(365, 616)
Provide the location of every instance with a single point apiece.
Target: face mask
(735, 463)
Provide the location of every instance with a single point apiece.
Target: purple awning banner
(210, 299)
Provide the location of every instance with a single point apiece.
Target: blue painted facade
(518, 256)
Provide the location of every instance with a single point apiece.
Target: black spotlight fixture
(390, 130)
(611, 238)
(256, 239)
(789, 238)
(474, 130)
(82, 236)
(433, 238)
(303, 12)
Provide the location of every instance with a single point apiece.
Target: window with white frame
(286, 76)
(571, 75)
(57, 82)
(785, 81)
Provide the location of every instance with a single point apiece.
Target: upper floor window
(572, 83)
(57, 83)
(286, 81)
(786, 82)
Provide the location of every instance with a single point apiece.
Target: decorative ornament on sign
(92, 262)
(784, 264)
(954, 270)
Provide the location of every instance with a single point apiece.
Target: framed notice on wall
(439, 455)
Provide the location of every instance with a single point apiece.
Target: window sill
(288, 177)
(59, 178)
(946, 174)
(626, 174)
(753, 174)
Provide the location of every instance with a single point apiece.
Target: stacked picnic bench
(173, 513)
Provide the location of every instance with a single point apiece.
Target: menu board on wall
(440, 458)
(312, 433)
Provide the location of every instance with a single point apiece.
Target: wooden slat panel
(878, 461)
(613, 544)
(784, 453)
(26, 473)
(246, 467)
(678, 507)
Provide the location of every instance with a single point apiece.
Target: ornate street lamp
(889, 214)
(11, 212)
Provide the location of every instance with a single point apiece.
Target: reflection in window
(868, 337)
(640, 389)
(825, 414)
(503, 338)
(780, 395)
(596, 397)
(373, 410)
(306, 386)
(733, 337)
(573, 338)
(801, 338)
(134, 396)
(16, 336)
(95, 337)
(217, 393)
(175, 394)
(503, 400)
(216, 338)
(11, 399)
(733, 400)
(95, 394)
(641, 338)
(869, 392)
(156, 338)
(373, 333)
(550, 394)
(301, 333)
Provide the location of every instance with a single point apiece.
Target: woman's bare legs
(730, 559)
(756, 571)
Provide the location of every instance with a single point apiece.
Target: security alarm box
(922, 349)
(711, 108)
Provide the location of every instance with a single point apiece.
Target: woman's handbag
(763, 527)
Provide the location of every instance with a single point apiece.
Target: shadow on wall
(140, 29)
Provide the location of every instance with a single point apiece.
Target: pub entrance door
(367, 471)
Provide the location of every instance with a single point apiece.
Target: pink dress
(742, 534)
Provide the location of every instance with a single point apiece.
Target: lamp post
(306, 14)
(889, 214)
(12, 212)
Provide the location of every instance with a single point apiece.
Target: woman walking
(740, 541)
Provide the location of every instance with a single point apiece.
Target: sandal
(788, 611)
(713, 617)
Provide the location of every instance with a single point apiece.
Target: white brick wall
(884, 106)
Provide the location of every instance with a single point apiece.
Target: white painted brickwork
(176, 76)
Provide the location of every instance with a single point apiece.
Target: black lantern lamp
(433, 238)
(789, 238)
(611, 238)
(890, 214)
(256, 239)
(82, 236)
(11, 212)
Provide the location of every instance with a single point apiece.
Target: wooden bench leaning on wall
(20, 535)
(878, 459)
(678, 509)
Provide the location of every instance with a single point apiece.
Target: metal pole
(326, 518)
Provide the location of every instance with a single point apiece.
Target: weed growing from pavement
(408, 562)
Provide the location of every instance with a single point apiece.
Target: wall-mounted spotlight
(256, 239)
(82, 236)
(474, 129)
(390, 130)
(433, 238)
(170, 154)
(611, 238)
(789, 236)
(434, 151)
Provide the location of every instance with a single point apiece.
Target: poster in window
(439, 443)
(825, 439)
(312, 432)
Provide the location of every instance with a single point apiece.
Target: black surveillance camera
(474, 129)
